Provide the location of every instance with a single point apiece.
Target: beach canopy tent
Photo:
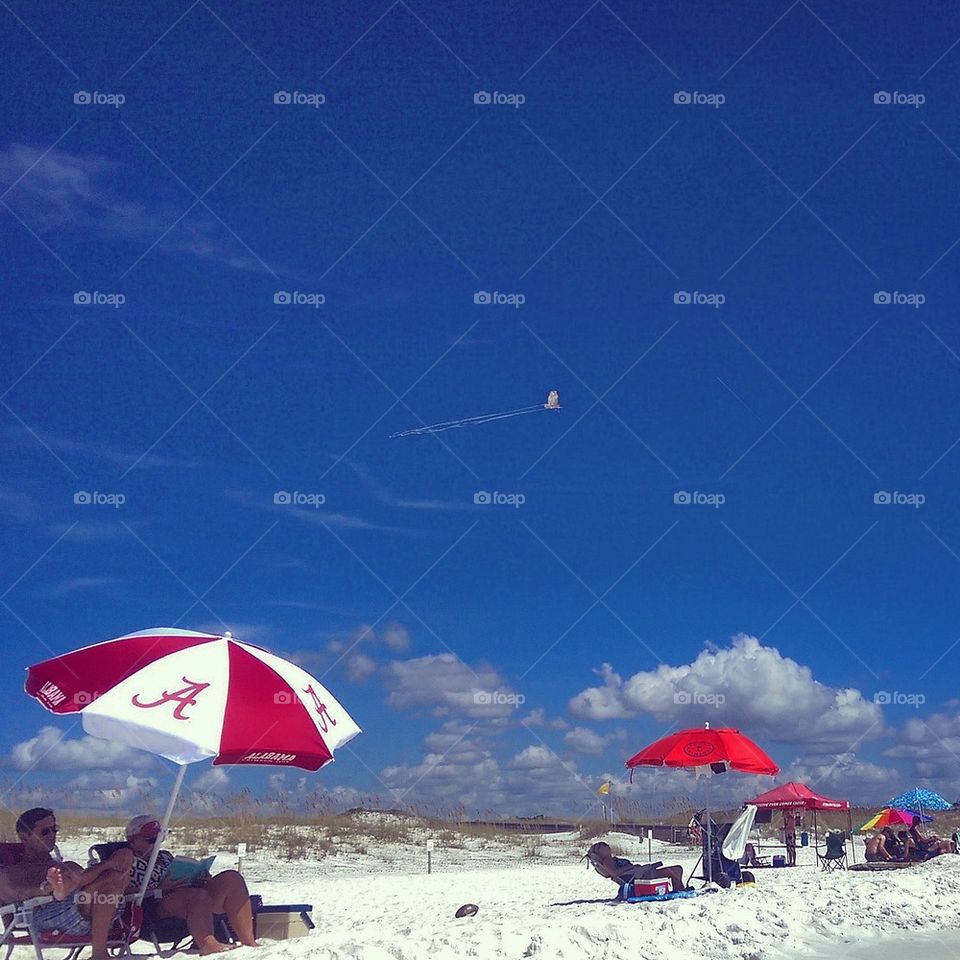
(798, 796)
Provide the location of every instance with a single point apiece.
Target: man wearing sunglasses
(85, 900)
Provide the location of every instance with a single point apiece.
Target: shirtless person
(86, 901)
(790, 836)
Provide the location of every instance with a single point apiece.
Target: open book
(186, 868)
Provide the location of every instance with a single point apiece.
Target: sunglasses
(48, 832)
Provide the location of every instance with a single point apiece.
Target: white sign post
(649, 844)
(429, 855)
(241, 853)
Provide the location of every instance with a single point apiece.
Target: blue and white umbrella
(920, 799)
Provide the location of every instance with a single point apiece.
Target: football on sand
(467, 910)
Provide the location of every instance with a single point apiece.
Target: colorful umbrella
(891, 817)
(710, 749)
(193, 696)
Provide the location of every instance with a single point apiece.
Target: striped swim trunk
(62, 916)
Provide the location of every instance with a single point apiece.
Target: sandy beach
(381, 905)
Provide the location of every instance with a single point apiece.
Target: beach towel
(735, 842)
(679, 895)
(883, 865)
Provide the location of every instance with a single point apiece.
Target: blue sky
(803, 201)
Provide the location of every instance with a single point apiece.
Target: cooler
(284, 921)
(651, 888)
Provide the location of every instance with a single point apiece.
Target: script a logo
(183, 698)
(326, 721)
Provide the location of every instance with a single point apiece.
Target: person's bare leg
(229, 894)
(674, 874)
(98, 902)
(196, 908)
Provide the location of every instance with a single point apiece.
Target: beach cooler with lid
(650, 888)
(281, 921)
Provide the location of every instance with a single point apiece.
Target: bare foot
(212, 945)
(58, 885)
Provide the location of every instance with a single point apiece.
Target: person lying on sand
(85, 900)
(929, 846)
(196, 900)
(621, 870)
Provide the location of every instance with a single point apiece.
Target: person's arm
(15, 885)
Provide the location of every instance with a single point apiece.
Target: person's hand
(200, 879)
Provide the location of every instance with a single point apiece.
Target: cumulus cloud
(746, 685)
(360, 667)
(456, 769)
(449, 687)
(50, 750)
(114, 790)
(585, 740)
(844, 776)
(215, 780)
(538, 718)
(929, 746)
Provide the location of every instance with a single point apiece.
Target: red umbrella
(698, 748)
(701, 748)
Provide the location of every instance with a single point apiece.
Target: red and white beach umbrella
(193, 696)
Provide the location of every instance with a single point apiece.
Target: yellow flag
(604, 789)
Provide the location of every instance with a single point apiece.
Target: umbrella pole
(853, 843)
(166, 820)
(709, 842)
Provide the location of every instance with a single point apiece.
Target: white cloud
(843, 776)
(538, 718)
(929, 746)
(457, 770)
(360, 667)
(396, 637)
(584, 740)
(61, 190)
(446, 684)
(114, 790)
(66, 587)
(534, 757)
(215, 780)
(49, 750)
(748, 685)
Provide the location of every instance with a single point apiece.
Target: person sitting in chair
(85, 900)
(621, 870)
(909, 847)
(929, 846)
(194, 900)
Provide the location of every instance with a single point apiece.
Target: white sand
(383, 906)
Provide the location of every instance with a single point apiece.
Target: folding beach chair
(154, 929)
(835, 856)
(21, 928)
(723, 870)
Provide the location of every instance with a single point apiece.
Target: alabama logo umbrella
(193, 696)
